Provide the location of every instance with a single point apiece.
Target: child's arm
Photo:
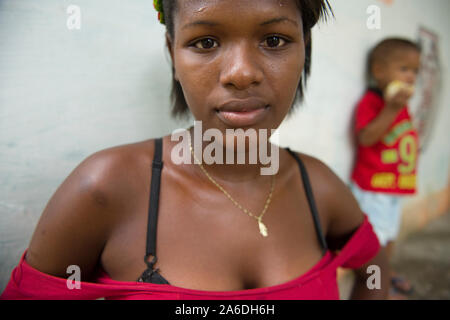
(374, 131)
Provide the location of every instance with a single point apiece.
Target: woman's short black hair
(311, 11)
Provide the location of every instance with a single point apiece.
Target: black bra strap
(157, 166)
(311, 202)
(153, 205)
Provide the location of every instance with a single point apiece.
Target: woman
(236, 64)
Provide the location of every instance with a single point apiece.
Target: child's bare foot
(396, 295)
(401, 284)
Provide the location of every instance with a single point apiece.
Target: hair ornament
(157, 4)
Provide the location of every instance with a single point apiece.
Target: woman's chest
(210, 244)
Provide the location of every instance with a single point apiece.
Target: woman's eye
(275, 41)
(206, 43)
(209, 43)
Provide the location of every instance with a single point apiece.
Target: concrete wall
(65, 94)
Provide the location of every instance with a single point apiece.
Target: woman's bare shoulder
(76, 222)
(110, 174)
(334, 200)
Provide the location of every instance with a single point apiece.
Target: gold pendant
(262, 229)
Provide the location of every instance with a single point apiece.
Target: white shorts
(383, 211)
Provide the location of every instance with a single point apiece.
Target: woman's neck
(230, 159)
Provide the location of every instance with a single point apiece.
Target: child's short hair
(311, 12)
(384, 50)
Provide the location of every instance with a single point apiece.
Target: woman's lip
(242, 118)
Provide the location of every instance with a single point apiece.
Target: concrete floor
(424, 258)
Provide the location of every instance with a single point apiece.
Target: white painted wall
(66, 94)
(322, 126)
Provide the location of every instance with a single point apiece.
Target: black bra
(152, 275)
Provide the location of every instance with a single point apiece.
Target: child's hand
(397, 94)
(399, 99)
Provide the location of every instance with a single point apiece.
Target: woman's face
(239, 62)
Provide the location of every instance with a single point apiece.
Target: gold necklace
(262, 226)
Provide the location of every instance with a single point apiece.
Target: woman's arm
(75, 223)
(341, 217)
(364, 287)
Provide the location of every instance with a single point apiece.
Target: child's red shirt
(389, 165)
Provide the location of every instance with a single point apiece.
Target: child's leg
(390, 249)
(384, 213)
(398, 283)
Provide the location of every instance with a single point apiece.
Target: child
(386, 159)
(236, 63)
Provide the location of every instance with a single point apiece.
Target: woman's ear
(169, 44)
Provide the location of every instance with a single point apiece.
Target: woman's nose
(240, 67)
